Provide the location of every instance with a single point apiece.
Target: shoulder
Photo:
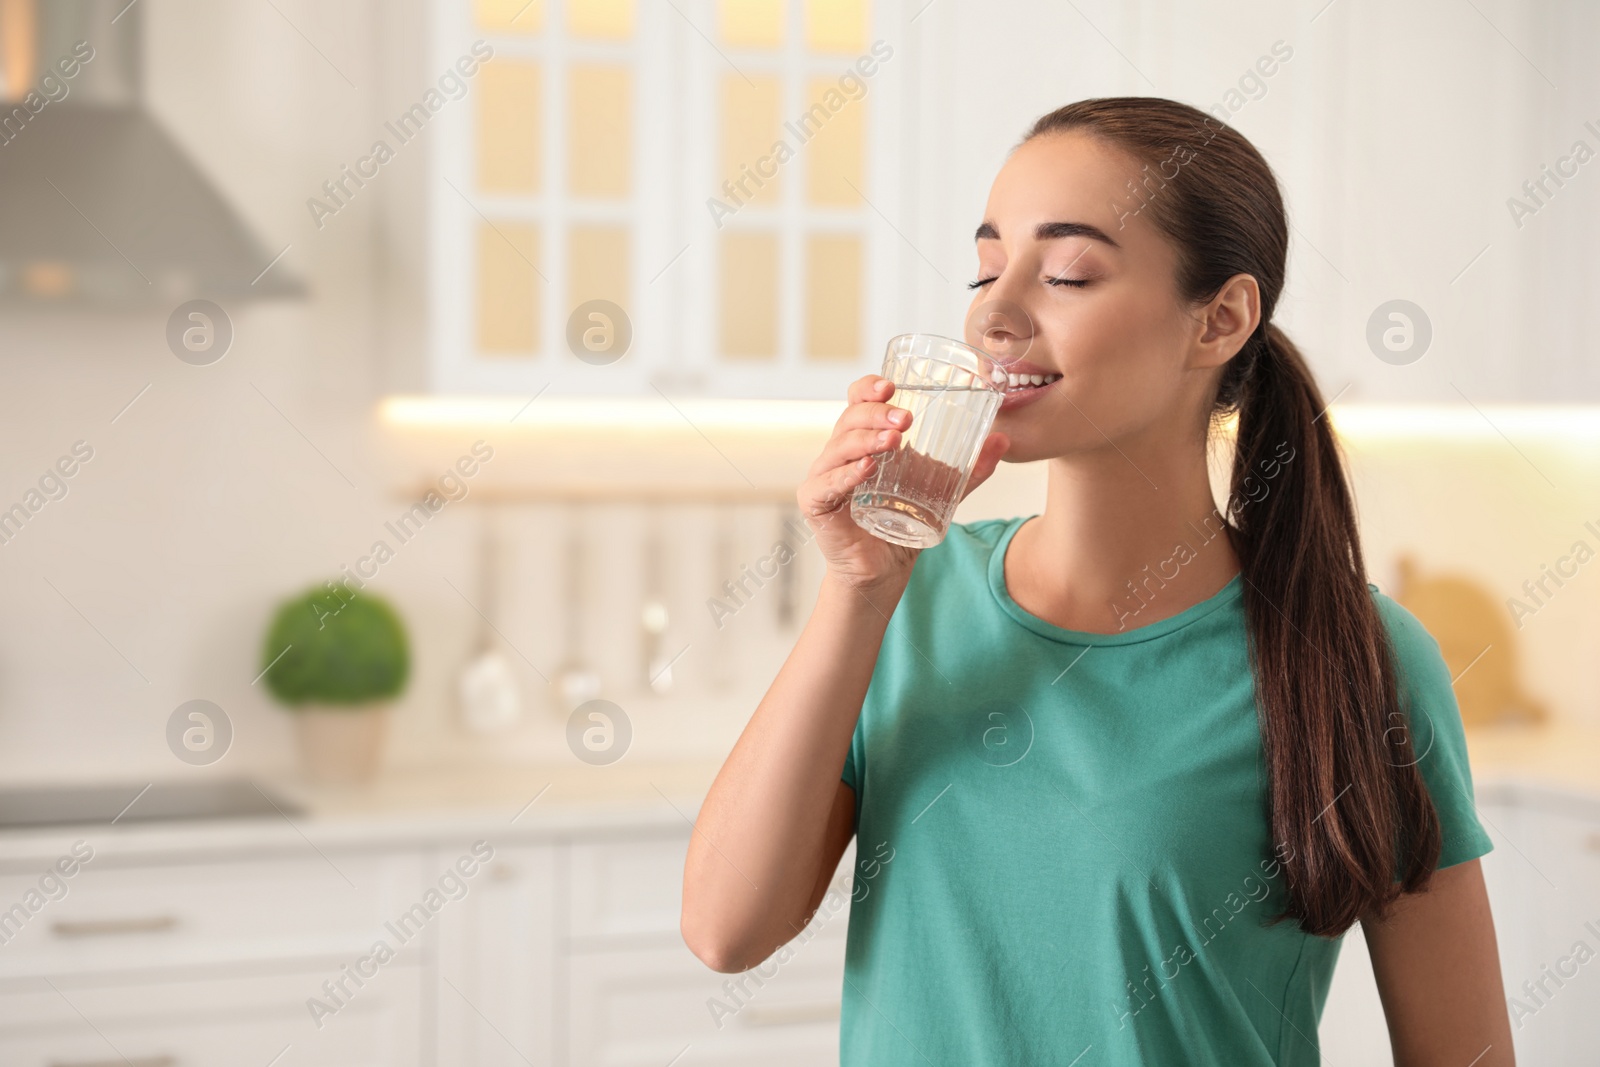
(1417, 654)
(1393, 612)
(1402, 625)
(1426, 692)
(1437, 736)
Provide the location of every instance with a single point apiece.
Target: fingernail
(883, 438)
(900, 417)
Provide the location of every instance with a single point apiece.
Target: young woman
(1123, 773)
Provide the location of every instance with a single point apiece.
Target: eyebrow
(1049, 231)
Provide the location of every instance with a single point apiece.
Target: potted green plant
(335, 658)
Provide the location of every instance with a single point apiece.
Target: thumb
(994, 447)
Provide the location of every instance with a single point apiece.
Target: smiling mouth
(1017, 383)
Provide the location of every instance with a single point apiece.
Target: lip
(1022, 366)
(1014, 399)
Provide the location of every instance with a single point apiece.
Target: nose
(1002, 328)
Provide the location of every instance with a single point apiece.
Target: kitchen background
(376, 317)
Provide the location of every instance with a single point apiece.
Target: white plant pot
(341, 745)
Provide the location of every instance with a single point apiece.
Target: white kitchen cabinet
(175, 963)
(496, 963)
(214, 1020)
(562, 949)
(721, 292)
(1553, 978)
(626, 888)
(644, 1007)
(118, 916)
(637, 997)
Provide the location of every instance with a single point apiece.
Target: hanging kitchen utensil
(576, 681)
(725, 568)
(789, 527)
(490, 702)
(653, 616)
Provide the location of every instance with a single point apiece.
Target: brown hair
(1343, 790)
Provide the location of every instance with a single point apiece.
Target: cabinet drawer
(141, 917)
(213, 1023)
(640, 1008)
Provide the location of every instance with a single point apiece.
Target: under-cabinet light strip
(638, 414)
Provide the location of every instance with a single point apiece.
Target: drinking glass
(953, 395)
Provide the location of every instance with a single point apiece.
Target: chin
(1026, 447)
(1046, 434)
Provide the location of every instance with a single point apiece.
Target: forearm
(758, 847)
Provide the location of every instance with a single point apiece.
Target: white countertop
(412, 807)
(1557, 760)
(1555, 763)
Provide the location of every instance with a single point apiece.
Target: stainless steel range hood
(98, 205)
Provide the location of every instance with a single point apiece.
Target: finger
(870, 387)
(850, 445)
(829, 492)
(874, 414)
(994, 447)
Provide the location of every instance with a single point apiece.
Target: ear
(1227, 322)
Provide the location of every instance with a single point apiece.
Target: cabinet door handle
(788, 1014)
(109, 927)
(148, 1061)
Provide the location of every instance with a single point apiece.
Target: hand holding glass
(953, 396)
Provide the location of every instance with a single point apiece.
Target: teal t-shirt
(1063, 854)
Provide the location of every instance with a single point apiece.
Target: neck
(1124, 541)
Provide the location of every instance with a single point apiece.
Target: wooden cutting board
(1477, 640)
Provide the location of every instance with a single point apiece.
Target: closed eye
(979, 283)
(1079, 283)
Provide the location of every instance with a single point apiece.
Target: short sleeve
(1428, 700)
(851, 775)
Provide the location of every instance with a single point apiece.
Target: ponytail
(1343, 792)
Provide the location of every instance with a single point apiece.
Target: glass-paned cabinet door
(694, 196)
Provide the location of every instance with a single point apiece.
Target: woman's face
(1076, 281)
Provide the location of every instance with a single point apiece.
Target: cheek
(1118, 353)
(1121, 374)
